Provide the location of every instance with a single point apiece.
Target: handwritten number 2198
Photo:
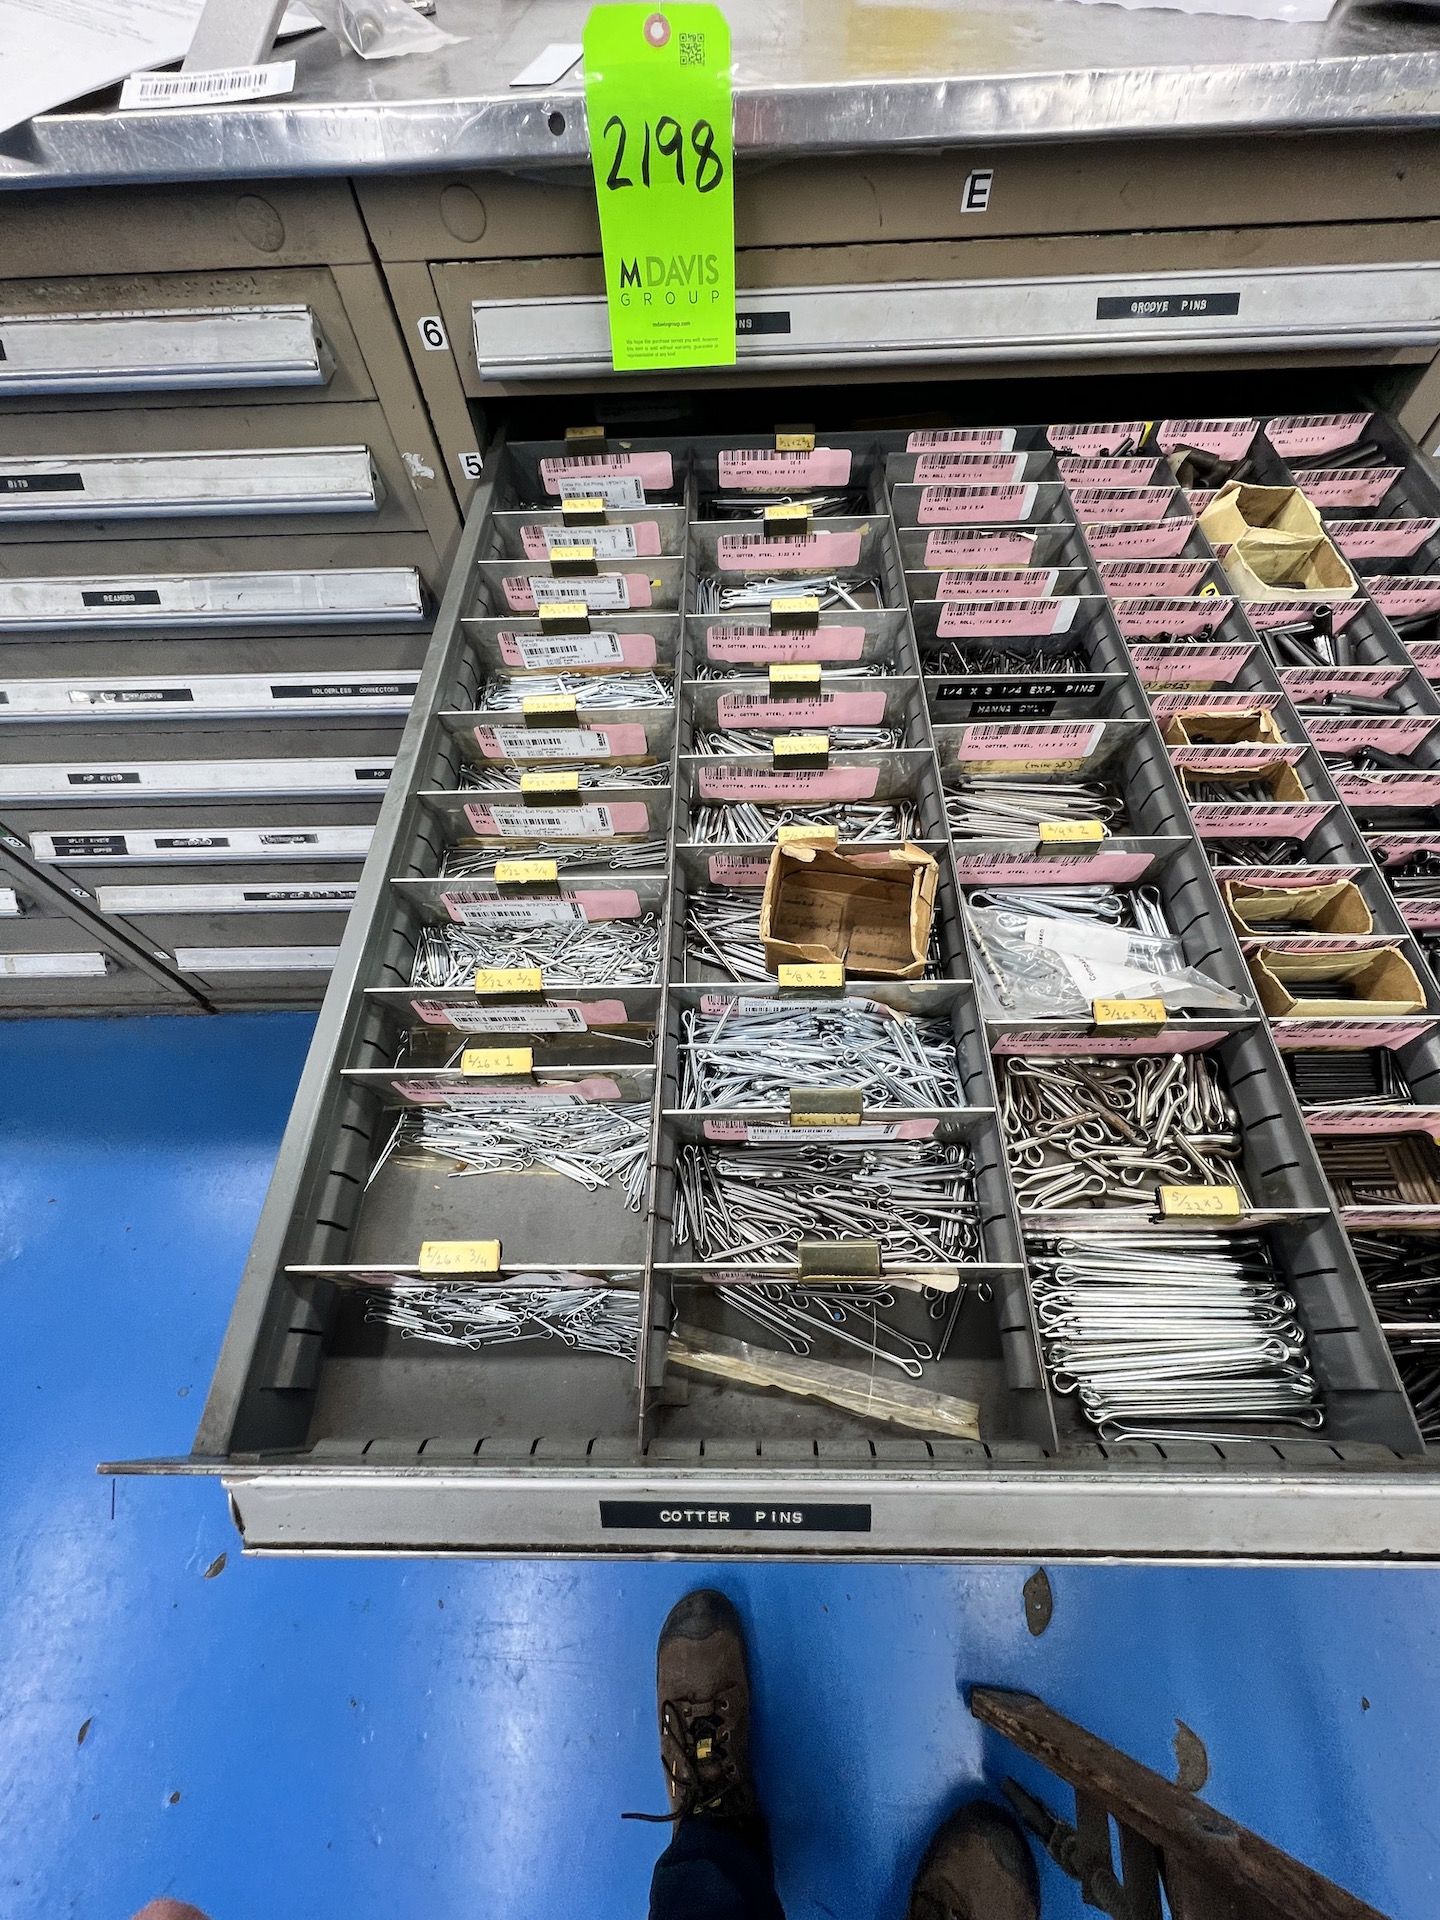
(668, 139)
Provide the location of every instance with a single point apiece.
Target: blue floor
(417, 1741)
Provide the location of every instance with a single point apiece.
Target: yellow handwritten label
(460, 1256)
(1128, 1013)
(564, 614)
(792, 440)
(794, 673)
(526, 873)
(1062, 833)
(496, 1063)
(787, 513)
(508, 980)
(548, 706)
(550, 783)
(805, 974)
(1199, 1203)
(808, 836)
(801, 746)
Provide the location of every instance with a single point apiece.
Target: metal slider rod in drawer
(256, 959)
(83, 964)
(197, 845)
(212, 599)
(161, 350)
(184, 697)
(193, 779)
(131, 486)
(244, 897)
(9, 903)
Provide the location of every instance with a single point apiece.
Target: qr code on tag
(692, 49)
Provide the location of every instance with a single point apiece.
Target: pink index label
(765, 469)
(1426, 655)
(1019, 741)
(818, 783)
(532, 651)
(1382, 1031)
(973, 506)
(1147, 619)
(1163, 577)
(1227, 439)
(1304, 433)
(650, 469)
(547, 1016)
(1360, 487)
(1400, 735)
(1391, 1216)
(1123, 503)
(1245, 757)
(1381, 539)
(471, 908)
(1107, 473)
(1369, 682)
(1287, 877)
(972, 439)
(802, 552)
(600, 592)
(1104, 437)
(1164, 666)
(744, 870)
(959, 617)
(1388, 789)
(1332, 1120)
(1315, 942)
(1250, 700)
(586, 822)
(1039, 1040)
(1139, 539)
(1002, 869)
(995, 469)
(1420, 914)
(1198, 498)
(1296, 613)
(989, 549)
(634, 540)
(995, 583)
(759, 1134)
(1257, 820)
(858, 708)
(519, 742)
(1404, 599)
(738, 646)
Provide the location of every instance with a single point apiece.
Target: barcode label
(980, 439)
(607, 543)
(993, 467)
(1098, 437)
(1302, 433)
(604, 591)
(1226, 438)
(489, 910)
(650, 469)
(1122, 503)
(546, 823)
(615, 489)
(973, 505)
(584, 650)
(207, 89)
(560, 743)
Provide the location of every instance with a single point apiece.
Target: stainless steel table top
(812, 76)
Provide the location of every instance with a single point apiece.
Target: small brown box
(873, 915)
(1383, 979)
(1222, 728)
(1338, 906)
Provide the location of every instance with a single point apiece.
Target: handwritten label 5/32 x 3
(658, 101)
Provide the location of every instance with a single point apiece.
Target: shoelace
(695, 1729)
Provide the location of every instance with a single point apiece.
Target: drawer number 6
(433, 336)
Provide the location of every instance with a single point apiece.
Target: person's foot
(978, 1866)
(703, 1687)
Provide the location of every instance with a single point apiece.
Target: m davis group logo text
(674, 280)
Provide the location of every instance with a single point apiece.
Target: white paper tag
(581, 650)
(151, 90)
(552, 63)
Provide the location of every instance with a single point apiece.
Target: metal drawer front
(211, 844)
(161, 350)
(189, 485)
(179, 779)
(1084, 315)
(224, 898)
(177, 599)
(238, 695)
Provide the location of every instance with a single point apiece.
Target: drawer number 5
(433, 336)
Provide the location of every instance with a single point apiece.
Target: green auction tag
(658, 101)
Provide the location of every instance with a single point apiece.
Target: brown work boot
(977, 1867)
(704, 1695)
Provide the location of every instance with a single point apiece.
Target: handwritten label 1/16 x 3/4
(658, 102)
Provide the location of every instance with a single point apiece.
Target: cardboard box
(1336, 907)
(872, 915)
(1281, 515)
(1286, 786)
(1272, 545)
(1315, 572)
(1384, 982)
(1223, 729)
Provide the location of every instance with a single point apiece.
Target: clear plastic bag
(380, 29)
(1040, 967)
(876, 1396)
